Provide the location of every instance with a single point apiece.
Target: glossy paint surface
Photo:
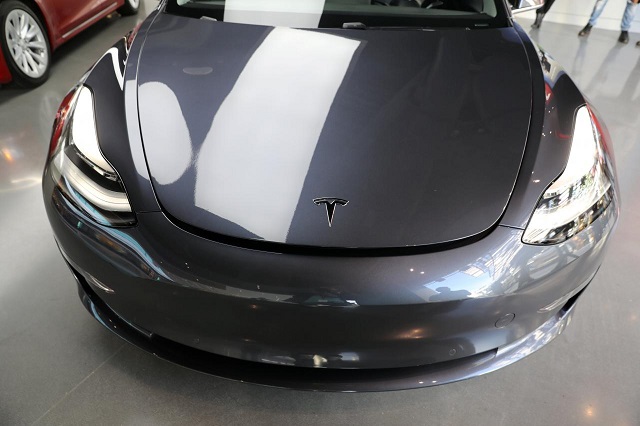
(65, 18)
(316, 379)
(368, 312)
(247, 126)
(5, 75)
(65, 15)
(555, 100)
(440, 315)
(59, 366)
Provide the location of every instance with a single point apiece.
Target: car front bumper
(365, 323)
(322, 379)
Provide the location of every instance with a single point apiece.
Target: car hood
(420, 133)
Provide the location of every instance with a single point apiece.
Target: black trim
(305, 250)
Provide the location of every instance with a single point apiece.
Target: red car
(31, 29)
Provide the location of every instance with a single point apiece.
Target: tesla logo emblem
(330, 204)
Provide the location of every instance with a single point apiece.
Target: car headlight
(581, 193)
(78, 167)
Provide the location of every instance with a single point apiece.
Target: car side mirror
(519, 6)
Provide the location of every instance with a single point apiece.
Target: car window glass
(360, 14)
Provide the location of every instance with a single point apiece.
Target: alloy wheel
(27, 43)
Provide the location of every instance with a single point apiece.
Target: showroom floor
(59, 366)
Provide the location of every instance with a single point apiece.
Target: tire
(130, 7)
(25, 44)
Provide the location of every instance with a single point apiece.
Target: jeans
(627, 18)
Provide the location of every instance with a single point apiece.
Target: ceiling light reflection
(7, 155)
(589, 412)
(254, 160)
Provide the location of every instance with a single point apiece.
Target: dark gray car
(331, 195)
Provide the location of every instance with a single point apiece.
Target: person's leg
(597, 11)
(629, 14)
(540, 15)
(595, 14)
(627, 18)
(547, 6)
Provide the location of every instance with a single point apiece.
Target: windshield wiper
(361, 26)
(354, 26)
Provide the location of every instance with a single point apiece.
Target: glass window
(358, 14)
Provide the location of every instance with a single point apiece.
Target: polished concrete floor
(59, 366)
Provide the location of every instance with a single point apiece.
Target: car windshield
(356, 14)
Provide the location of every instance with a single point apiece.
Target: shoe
(638, 44)
(585, 31)
(536, 24)
(624, 37)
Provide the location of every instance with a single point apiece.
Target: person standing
(540, 14)
(627, 18)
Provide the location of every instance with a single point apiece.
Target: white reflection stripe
(83, 130)
(253, 163)
(583, 154)
(133, 129)
(171, 161)
(96, 194)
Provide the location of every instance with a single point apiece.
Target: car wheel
(130, 7)
(25, 44)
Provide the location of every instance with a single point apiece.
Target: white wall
(577, 12)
